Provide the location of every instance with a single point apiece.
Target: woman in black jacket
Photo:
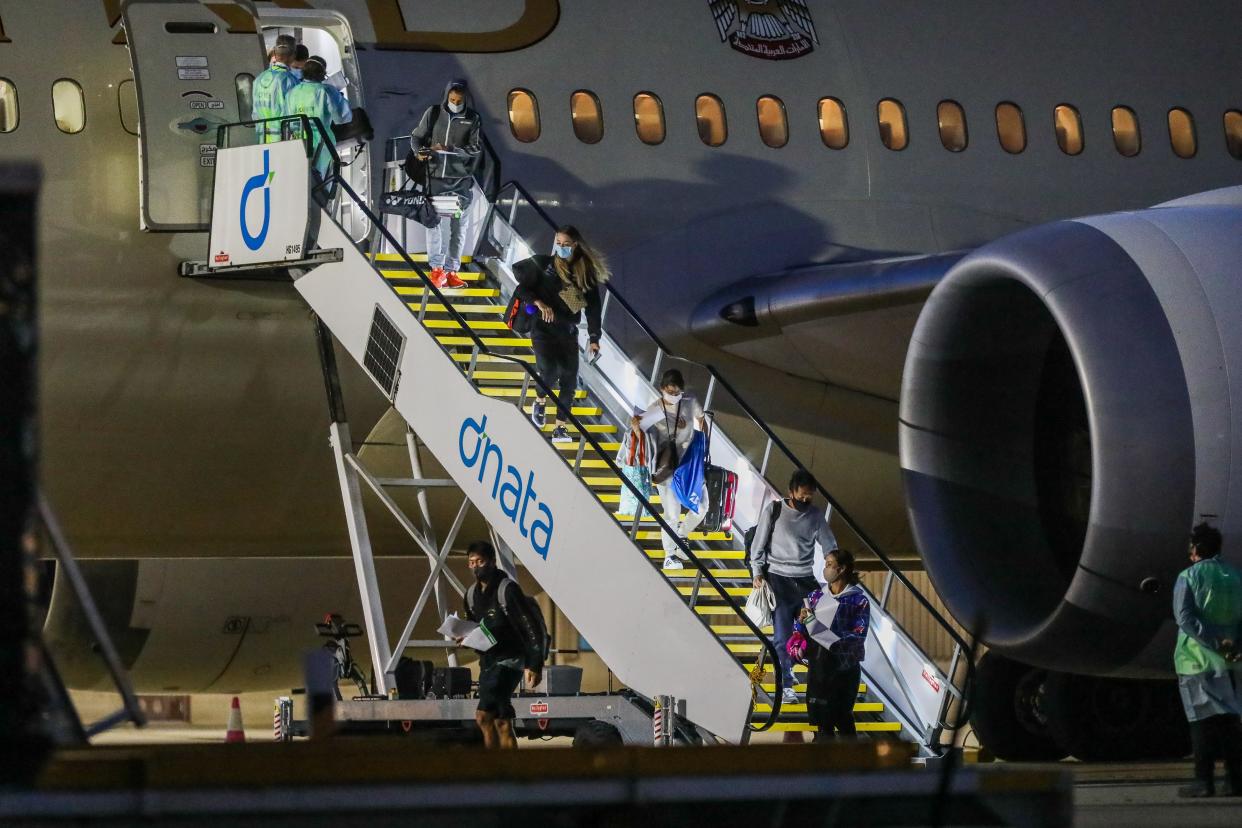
(561, 287)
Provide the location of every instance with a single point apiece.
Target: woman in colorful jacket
(833, 672)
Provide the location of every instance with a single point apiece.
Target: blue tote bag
(688, 479)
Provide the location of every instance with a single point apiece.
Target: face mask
(672, 398)
(297, 73)
(456, 108)
(484, 573)
(801, 505)
(563, 250)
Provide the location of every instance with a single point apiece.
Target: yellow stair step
(579, 410)
(464, 307)
(418, 257)
(592, 428)
(862, 727)
(472, 324)
(744, 648)
(507, 359)
(715, 609)
(750, 665)
(603, 444)
(708, 591)
(605, 497)
(419, 290)
(770, 687)
(644, 534)
(711, 554)
(517, 392)
(601, 481)
(464, 275)
(501, 376)
(738, 629)
(489, 341)
(860, 707)
(716, 573)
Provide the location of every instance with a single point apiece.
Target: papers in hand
(472, 635)
(817, 626)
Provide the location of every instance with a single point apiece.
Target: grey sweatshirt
(793, 541)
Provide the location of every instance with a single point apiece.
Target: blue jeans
(789, 592)
(444, 241)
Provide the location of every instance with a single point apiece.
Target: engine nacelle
(1066, 417)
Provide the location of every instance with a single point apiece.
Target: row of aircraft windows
(69, 104)
(586, 115)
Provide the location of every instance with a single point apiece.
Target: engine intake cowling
(1066, 417)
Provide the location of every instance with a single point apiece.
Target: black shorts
(496, 687)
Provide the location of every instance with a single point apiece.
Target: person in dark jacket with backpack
(496, 602)
(560, 287)
(450, 144)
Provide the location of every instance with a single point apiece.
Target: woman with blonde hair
(560, 288)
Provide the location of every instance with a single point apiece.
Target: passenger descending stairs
(480, 304)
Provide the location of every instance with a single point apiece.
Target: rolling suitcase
(450, 683)
(721, 485)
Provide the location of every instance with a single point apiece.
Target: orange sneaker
(438, 277)
(451, 280)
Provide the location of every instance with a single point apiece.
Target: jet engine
(1066, 416)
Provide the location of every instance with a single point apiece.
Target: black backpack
(524, 604)
(518, 318)
(749, 535)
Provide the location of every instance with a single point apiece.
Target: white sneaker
(672, 562)
(788, 696)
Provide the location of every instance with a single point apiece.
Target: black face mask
(484, 573)
(800, 505)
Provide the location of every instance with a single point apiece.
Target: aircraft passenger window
(892, 118)
(245, 94)
(1182, 133)
(588, 117)
(773, 124)
(834, 129)
(952, 120)
(709, 114)
(1010, 128)
(1233, 133)
(1068, 125)
(127, 102)
(8, 105)
(1126, 131)
(523, 115)
(648, 118)
(68, 106)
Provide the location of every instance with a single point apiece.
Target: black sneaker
(539, 413)
(561, 435)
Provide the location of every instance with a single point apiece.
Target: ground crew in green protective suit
(1207, 603)
(315, 99)
(269, 93)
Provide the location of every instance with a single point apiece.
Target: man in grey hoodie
(450, 144)
(785, 558)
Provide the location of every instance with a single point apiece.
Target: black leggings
(556, 360)
(1213, 738)
(831, 690)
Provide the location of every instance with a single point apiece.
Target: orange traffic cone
(235, 733)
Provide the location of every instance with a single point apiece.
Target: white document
(818, 626)
(472, 635)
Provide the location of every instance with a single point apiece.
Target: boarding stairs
(465, 383)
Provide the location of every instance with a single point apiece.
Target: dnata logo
(515, 498)
(264, 180)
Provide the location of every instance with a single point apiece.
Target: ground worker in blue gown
(315, 99)
(1207, 604)
(270, 92)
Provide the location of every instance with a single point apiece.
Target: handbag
(667, 459)
(633, 461)
(760, 605)
(410, 204)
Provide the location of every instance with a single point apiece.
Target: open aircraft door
(193, 68)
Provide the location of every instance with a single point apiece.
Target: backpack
(525, 604)
(749, 535)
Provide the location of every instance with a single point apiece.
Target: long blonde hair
(585, 260)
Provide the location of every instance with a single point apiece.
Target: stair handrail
(894, 571)
(334, 178)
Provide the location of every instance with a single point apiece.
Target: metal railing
(510, 197)
(479, 348)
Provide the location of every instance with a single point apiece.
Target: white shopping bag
(759, 605)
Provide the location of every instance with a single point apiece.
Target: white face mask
(456, 108)
(672, 399)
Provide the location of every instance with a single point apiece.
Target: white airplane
(779, 185)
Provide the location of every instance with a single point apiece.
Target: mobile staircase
(464, 384)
